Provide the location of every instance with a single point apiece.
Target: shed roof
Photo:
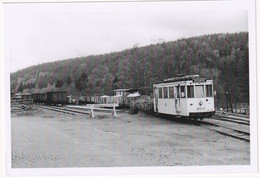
(132, 95)
(127, 90)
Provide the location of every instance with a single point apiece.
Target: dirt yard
(48, 139)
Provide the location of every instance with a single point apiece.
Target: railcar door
(180, 103)
(155, 91)
(177, 100)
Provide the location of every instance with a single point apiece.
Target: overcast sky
(35, 33)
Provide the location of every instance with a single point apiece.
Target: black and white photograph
(126, 88)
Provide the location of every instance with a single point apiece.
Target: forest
(221, 57)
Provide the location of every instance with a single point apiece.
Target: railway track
(232, 127)
(64, 110)
(234, 119)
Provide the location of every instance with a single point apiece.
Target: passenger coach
(187, 96)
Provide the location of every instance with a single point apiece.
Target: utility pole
(228, 100)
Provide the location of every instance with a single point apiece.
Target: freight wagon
(39, 98)
(56, 98)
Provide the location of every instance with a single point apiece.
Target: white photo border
(194, 171)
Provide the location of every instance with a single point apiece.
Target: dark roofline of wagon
(51, 91)
(56, 91)
(127, 90)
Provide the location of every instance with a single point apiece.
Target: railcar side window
(199, 90)
(165, 92)
(160, 92)
(183, 94)
(209, 92)
(155, 91)
(171, 92)
(190, 90)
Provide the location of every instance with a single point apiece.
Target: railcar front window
(183, 94)
(165, 92)
(160, 92)
(171, 92)
(155, 93)
(199, 90)
(190, 90)
(178, 91)
(209, 92)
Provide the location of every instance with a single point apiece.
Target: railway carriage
(90, 100)
(26, 96)
(82, 100)
(35, 97)
(56, 97)
(12, 96)
(186, 96)
(27, 99)
(39, 98)
(121, 98)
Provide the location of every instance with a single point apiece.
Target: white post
(114, 111)
(92, 112)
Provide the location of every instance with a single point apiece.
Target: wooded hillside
(221, 57)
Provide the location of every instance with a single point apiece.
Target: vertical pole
(114, 111)
(218, 102)
(92, 112)
(227, 100)
(230, 103)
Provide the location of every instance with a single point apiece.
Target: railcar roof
(179, 78)
(191, 78)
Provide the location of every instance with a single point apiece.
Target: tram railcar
(187, 96)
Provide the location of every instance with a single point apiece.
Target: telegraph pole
(228, 100)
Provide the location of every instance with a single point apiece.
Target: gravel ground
(47, 139)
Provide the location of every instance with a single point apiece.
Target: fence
(238, 108)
